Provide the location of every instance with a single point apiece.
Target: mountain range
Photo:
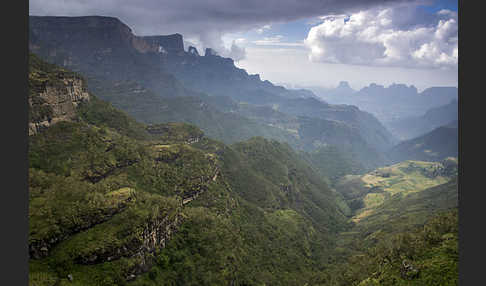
(153, 165)
(436, 145)
(392, 103)
(113, 200)
(411, 127)
(155, 80)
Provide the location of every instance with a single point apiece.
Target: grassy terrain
(368, 192)
(393, 201)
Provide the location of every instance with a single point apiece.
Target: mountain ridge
(146, 83)
(114, 201)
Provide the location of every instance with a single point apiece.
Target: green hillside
(405, 227)
(424, 255)
(136, 180)
(436, 145)
(113, 201)
(366, 192)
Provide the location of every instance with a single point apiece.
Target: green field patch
(373, 200)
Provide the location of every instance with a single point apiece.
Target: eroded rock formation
(58, 100)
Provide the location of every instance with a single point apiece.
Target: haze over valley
(161, 153)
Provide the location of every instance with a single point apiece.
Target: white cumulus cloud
(380, 37)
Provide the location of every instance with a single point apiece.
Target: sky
(302, 43)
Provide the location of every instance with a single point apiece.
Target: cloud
(234, 50)
(386, 37)
(204, 21)
(269, 40)
(276, 41)
(263, 28)
(236, 53)
(291, 65)
(240, 41)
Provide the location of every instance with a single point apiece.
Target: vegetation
(364, 193)
(116, 202)
(436, 145)
(42, 74)
(425, 255)
(100, 184)
(332, 163)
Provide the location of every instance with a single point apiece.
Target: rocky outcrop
(200, 187)
(84, 34)
(60, 100)
(169, 43)
(39, 248)
(210, 52)
(408, 271)
(154, 236)
(192, 51)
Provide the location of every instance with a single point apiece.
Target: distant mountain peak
(210, 52)
(343, 84)
(402, 86)
(193, 51)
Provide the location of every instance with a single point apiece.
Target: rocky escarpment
(169, 43)
(98, 195)
(39, 247)
(53, 97)
(106, 51)
(153, 235)
(79, 33)
(200, 188)
(108, 54)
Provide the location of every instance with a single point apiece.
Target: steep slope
(102, 47)
(128, 71)
(219, 76)
(436, 145)
(405, 229)
(53, 95)
(411, 127)
(143, 76)
(370, 129)
(99, 198)
(333, 164)
(311, 134)
(113, 201)
(440, 95)
(149, 108)
(424, 255)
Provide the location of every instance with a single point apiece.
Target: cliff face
(170, 43)
(104, 48)
(53, 97)
(109, 55)
(101, 34)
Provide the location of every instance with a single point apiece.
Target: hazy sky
(299, 43)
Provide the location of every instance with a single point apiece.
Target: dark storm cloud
(205, 20)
